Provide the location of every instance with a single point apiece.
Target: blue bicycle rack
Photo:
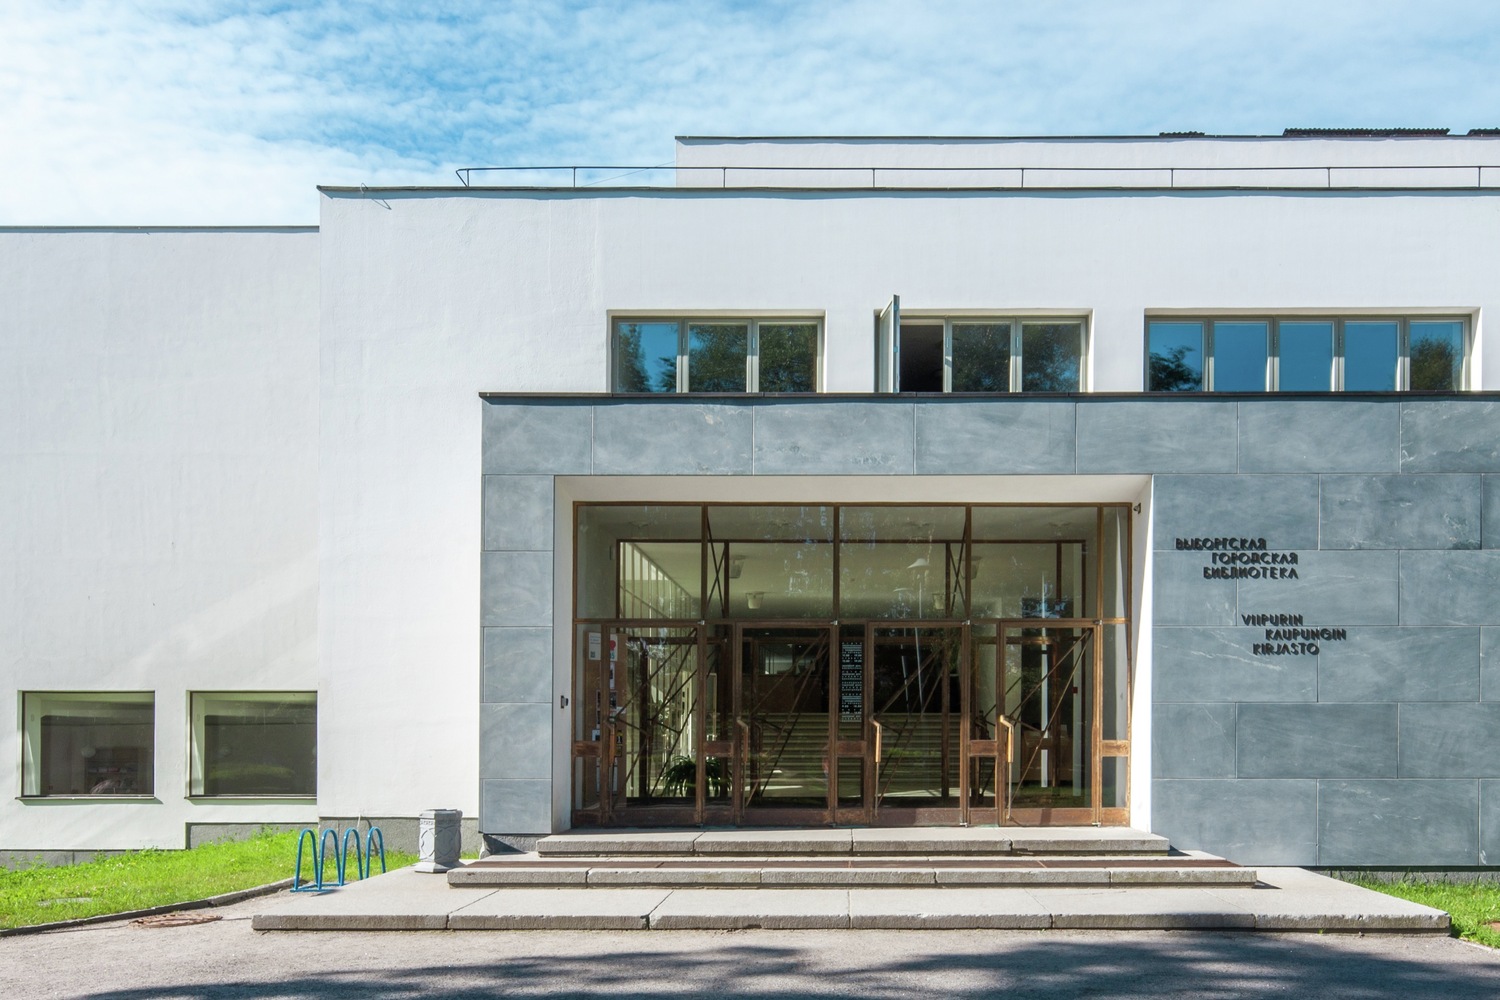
(364, 856)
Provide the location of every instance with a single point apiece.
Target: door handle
(879, 738)
(1010, 736)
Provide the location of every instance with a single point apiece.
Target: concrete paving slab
(559, 909)
(1287, 899)
(906, 909)
(404, 899)
(731, 909)
(665, 842)
(675, 876)
(1294, 899)
(932, 841)
(1223, 877)
(1022, 876)
(774, 842)
(1142, 908)
(465, 878)
(1087, 840)
(847, 876)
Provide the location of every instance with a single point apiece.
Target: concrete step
(826, 871)
(925, 841)
(1286, 900)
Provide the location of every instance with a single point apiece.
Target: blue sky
(175, 112)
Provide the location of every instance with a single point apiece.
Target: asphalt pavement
(226, 958)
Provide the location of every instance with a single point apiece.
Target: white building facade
(865, 481)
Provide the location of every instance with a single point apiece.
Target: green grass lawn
(1474, 906)
(144, 879)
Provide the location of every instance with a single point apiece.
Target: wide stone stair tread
(1283, 900)
(923, 841)
(850, 871)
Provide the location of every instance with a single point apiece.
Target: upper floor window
(985, 354)
(1306, 354)
(716, 355)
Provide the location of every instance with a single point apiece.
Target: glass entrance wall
(947, 663)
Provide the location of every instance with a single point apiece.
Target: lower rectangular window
(254, 743)
(88, 743)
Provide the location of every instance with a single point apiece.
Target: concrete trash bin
(439, 839)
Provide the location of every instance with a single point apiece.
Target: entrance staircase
(829, 878)
(933, 857)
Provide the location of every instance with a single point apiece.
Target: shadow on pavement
(1185, 964)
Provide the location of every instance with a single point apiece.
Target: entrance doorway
(895, 721)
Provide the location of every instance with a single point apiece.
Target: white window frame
(685, 320)
(1017, 359)
(31, 760)
(197, 733)
(1339, 321)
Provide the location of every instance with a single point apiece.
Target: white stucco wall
(251, 459)
(158, 469)
(430, 297)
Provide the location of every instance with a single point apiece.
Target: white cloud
(113, 112)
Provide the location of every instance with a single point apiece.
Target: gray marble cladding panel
(1208, 665)
(1193, 741)
(513, 741)
(1281, 509)
(1492, 512)
(1401, 512)
(1181, 596)
(1450, 435)
(820, 438)
(1396, 664)
(1489, 822)
(516, 588)
(517, 665)
(1460, 587)
(1450, 741)
(986, 437)
(515, 806)
(1317, 741)
(535, 438)
(1251, 822)
(672, 439)
(1398, 822)
(1489, 664)
(1157, 436)
(517, 512)
(1336, 435)
(1332, 588)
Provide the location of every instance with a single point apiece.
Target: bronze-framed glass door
(637, 725)
(867, 663)
(784, 698)
(1036, 753)
(918, 683)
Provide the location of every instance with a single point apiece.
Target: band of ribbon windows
(716, 355)
(1353, 354)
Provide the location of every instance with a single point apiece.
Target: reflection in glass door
(1034, 756)
(873, 663)
(918, 698)
(784, 695)
(635, 725)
